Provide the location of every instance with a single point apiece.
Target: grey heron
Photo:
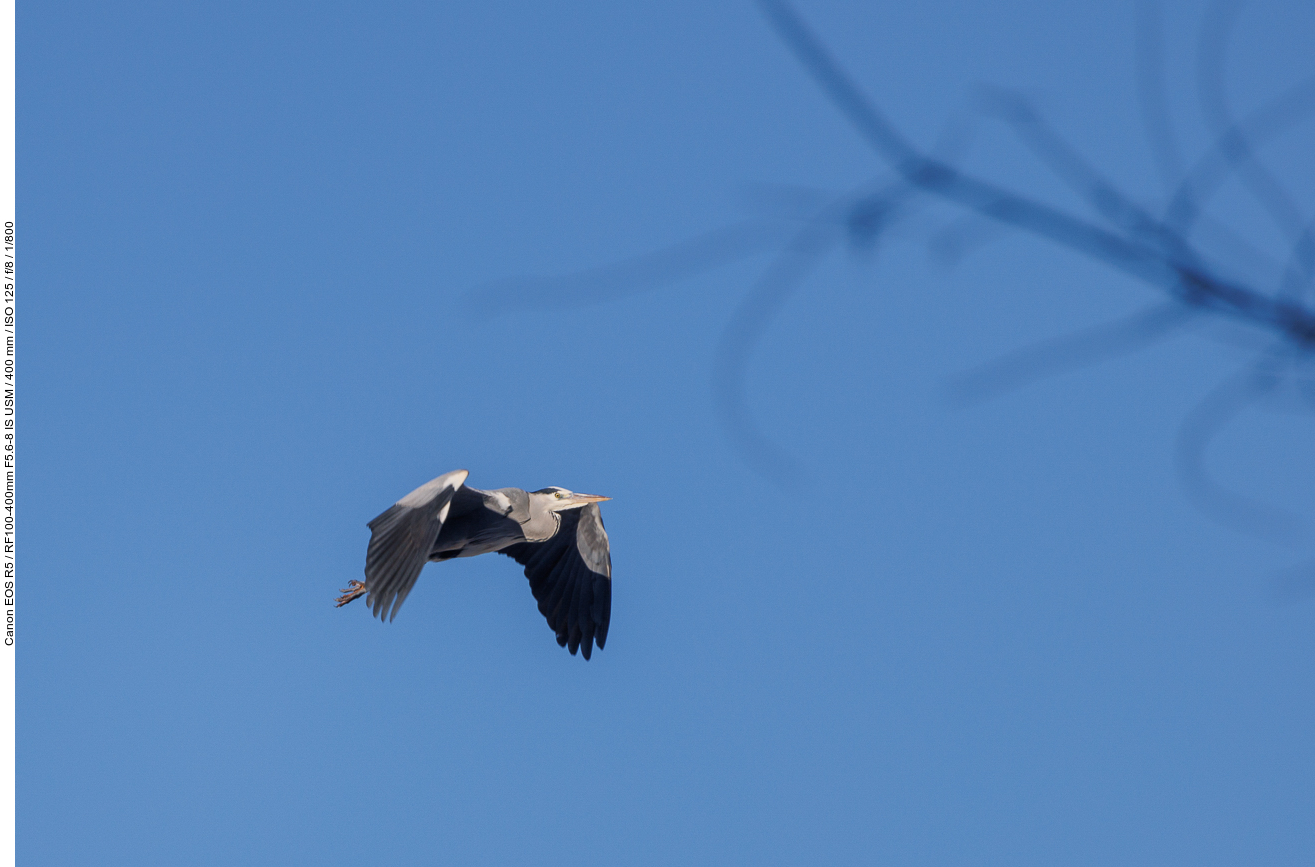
(556, 534)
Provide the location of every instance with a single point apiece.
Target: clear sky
(999, 634)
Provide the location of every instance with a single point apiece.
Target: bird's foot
(354, 589)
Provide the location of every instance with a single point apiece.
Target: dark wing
(571, 577)
(401, 540)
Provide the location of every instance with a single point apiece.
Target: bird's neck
(541, 526)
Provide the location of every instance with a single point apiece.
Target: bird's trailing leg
(354, 589)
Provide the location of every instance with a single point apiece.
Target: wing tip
(432, 489)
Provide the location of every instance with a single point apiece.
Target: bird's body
(557, 535)
(481, 522)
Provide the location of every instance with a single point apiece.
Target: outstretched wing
(571, 577)
(401, 539)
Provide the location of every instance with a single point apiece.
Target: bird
(556, 534)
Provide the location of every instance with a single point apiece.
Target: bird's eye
(561, 495)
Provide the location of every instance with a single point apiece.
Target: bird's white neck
(541, 526)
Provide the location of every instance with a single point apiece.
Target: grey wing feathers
(401, 540)
(571, 578)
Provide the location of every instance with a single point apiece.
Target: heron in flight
(556, 534)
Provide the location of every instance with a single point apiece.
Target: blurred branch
(1151, 99)
(1158, 252)
(1204, 423)
(1070, 352)
(1156, 249)
(1211, 65)
(1184, 279)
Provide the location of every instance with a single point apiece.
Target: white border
(7, 650)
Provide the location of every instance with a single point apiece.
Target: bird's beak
(590, 498)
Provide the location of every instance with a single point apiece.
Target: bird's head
(560, 499)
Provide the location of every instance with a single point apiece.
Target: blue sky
(1000, 634)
